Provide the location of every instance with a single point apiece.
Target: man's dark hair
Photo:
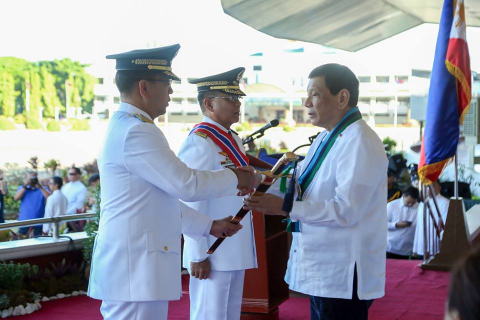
(126, 79)
(411, 191)
(94, 177)
(464, 295)
(338, 77)
(58, 181)
(201, 96)
(77, 170)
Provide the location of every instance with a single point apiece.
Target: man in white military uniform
(216, 281)
(443, 203)
(338, 252)
(402, 218)
(136, 258)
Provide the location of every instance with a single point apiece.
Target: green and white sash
(312, 167)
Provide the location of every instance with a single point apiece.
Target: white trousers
(217, 298)
(141, 310)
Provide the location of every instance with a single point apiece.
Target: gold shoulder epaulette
(142, 118)
(201, 134)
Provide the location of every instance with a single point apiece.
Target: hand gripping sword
(270, 177)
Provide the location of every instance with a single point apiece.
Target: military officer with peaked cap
(136, 258)
(216, 281)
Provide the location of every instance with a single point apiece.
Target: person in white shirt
(76, 194)
(75, 191)
(418, 242)
(56, 204)
(340, 216)
(216, 282)
(136, 261)
(402, 217)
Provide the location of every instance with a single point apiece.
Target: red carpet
(410, 294)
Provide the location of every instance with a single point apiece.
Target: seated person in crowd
(56, 204)
(32, 198)
(393, 191)
(94, 180)
(402, 216)
(464, 296)
(94, 183)
(418, 243)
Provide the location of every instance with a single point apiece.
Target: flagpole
(456, 175)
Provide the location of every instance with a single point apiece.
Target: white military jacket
(137, 250)
(343, 220)
(237, 252)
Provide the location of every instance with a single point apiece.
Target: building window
(298, 116)
(364, 101)
(192, 101)
(364, 79)
(176, 82)
(401, 79)
(101, 99)
(382, 79)
(177, 100)
(421, 73)
(116, 100)
(280, 114)
(404, 101)
(100, 80)
(257, 68)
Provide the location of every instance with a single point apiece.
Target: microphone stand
(311, 139)
(251, 137)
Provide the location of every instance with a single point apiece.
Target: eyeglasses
(72, 174)
(231, 98)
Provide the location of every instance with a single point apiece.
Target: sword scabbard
(268, 180)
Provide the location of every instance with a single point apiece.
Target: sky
(211, 41)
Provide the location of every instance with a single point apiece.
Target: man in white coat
(216, 281)
(136, 257)
(340, 213)
(402, 219)
(75, 191)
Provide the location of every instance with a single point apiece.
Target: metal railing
(55, 221)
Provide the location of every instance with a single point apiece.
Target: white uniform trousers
(139, 310)
(217, 298)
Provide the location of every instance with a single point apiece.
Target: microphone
(260, 131)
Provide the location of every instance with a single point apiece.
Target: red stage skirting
(410, 294)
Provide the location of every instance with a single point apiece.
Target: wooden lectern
(264, 288)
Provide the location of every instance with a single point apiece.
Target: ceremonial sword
(267, 181)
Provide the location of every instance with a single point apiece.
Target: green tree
(18, 68)
(35, 95)
(49, 93)
(46, 82)
(7, 94)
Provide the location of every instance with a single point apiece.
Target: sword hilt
(262, 188)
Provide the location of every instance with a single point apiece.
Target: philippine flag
(449, 94)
